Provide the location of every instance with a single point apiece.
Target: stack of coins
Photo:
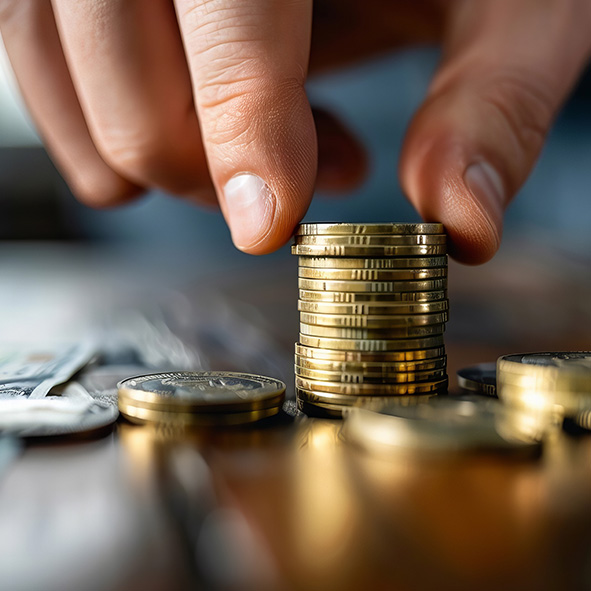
(373, 307)
(554, 385)
(200, 398)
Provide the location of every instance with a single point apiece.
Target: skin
(186, 95)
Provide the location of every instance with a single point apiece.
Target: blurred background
(376, 99)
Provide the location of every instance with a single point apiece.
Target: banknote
(32, 373)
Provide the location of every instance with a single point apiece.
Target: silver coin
(481, 378)
(208, 390)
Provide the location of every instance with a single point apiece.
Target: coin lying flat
(347, 229)
(207, 392)
(371, 345)
(370, 389)
(340, 297)
(348, 355)
(372, 286)
(341, 250)
(372, 274)
(481, 378)
(367, 378)
(402, 309)
(396, 332)
(385, 321)
(418, 263)
(141, 415)
(442, 425)
(372, 240)
(371, 368)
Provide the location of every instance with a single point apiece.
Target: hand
(128, 95)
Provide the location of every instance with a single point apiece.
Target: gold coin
(171, 405)
(372, 321)
(372, 274)
(401, 332)
(342, 250)
(402, 309)
(203, 391)
(372, 368)
(336, 410)
(365, 378)
(372, 263)
(373, 345)
(344, 228)
(343, 297)
(379, 240)
(567, 371)
(375, 401)
(142, 415)
(328, 353)
(372, 286)
(335, 389)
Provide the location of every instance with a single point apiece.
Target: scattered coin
(481, 378)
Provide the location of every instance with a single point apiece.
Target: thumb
(507, 68)
(248, 63)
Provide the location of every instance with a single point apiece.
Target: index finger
(248, 62)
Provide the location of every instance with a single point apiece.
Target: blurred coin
(330, 354)
(206, 391)
(442, 425)
(370, 389)
(340, 297)
(371, 368)
(373, 345)
(481, 378)
(378, 401)
(367, 378)
(347, 229)
(372, 321)
(372, 263)
(369, 240)
(401, 309)
(372, 274)
(340, 250)
(395, 332)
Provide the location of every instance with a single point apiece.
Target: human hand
(209, 101)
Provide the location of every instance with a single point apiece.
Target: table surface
(288, 503)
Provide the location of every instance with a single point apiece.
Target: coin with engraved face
(203, 391)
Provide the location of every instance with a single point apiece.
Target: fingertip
(447, 184)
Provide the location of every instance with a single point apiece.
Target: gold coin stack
(373, 307)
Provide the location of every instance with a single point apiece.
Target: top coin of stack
(373, 307)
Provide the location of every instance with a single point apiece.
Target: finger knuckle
(524, 103)
(257, 110)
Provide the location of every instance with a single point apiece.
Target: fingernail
(250, 206)
(486, 185)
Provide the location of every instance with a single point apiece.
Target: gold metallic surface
(372, 286)
(371, 368)
(395, 332)
(370, 389)
(141, 415)
(402, 309)
(371, 274)
(340, 297)
(382, 321)
(375, 240)
(332, 229)
(400, 263)
(372, 345)
(367, 378)
(340, 250)
(343, 355)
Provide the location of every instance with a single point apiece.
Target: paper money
(31, 374)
